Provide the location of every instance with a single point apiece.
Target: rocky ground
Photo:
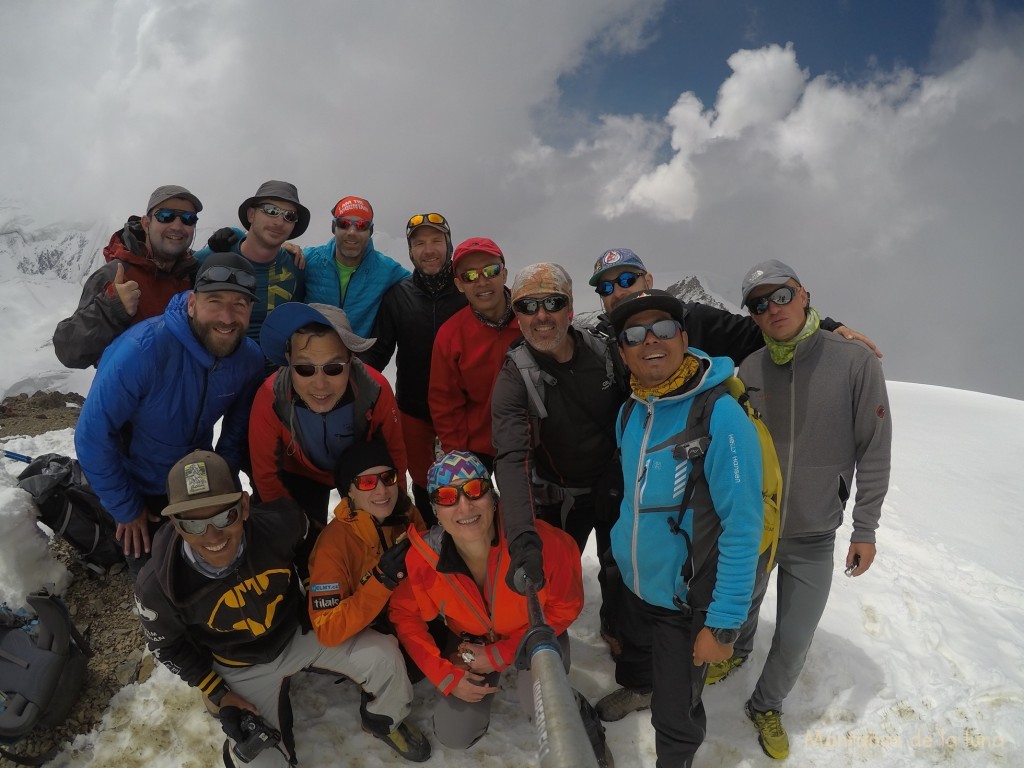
(101, 604)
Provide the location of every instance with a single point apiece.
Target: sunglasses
(662, 329)
(272, 210)
(781, 296)
(472, 275)
(359, 225)
(530, 306)
(220, 521)
(448, 495)
(426, 218)
(368, 482)
(623, 280)
(167, 215)
(305, 370)
(220, 274)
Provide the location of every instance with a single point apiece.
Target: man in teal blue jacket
(347, 271)
(686, 546)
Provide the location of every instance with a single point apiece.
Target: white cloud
(896, 197)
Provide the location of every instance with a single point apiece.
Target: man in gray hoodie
(824, 400)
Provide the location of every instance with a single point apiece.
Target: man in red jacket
(148, 261)
(469, 350)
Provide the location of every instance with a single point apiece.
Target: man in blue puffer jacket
(160, 388)
(347, 271)
(689, 573)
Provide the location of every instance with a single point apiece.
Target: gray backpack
(42, 668)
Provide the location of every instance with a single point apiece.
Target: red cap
(477, 245)
(353, 208)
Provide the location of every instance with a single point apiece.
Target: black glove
(222, 240)
(391, 567)
(231, 723)
(525, 552)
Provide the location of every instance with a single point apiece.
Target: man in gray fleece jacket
(824, 400)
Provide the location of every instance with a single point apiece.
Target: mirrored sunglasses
(623, 280)
(530, 306)
(426, 218)
(305, 370)
(662, 329)
(167, 215)
(220, 521)
(220, 274)
(448, 495)
(359, 225)
(781, 296)
(472, 275)
(368, 482)
(272, 210)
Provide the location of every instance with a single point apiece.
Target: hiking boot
(617, 704)
(719, 670)
(770, 733)
(407, 740)
(595, 731)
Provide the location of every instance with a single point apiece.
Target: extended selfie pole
(562, 739)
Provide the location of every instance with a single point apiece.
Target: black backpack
(42, 668)
(68, 506)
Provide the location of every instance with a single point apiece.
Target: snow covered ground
(918, 662)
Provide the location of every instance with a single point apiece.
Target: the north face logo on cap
(196, 479)
(755, 275)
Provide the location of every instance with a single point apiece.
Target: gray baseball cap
(169, 191)
(771, 272)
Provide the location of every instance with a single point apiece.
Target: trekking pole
(562, 739)
(17, 456)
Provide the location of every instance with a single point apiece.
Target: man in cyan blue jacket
(160, 388)
(687, 538)
(347, 271)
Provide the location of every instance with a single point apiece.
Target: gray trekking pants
(369, 659)
(805, 567)
(460, 724)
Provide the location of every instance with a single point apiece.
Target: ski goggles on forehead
(220, 274)
(167, 215)
(420, 219)
(388, 477)
(359, 225)
(274, 211)
(531, 306)
(448, 495)
(305, 370)
(623, 280)
(781, 296)
(634, 335)
(220, 521)
(472, 275)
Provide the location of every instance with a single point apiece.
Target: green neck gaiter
(782, 351)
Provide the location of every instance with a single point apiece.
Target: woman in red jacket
(320, 402)
(457, 570)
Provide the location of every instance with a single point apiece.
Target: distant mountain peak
(688, 289)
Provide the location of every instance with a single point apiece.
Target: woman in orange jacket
(319, 403)
(359, 557)
(457, 571)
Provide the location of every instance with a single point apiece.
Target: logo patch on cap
(612, 257)
(196, 479)
(755, 275)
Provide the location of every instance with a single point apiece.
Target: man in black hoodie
(410, 315)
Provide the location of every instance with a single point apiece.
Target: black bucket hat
(276, 190)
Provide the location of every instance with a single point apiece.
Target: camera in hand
(256, 736)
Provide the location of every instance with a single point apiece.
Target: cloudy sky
(877, 147)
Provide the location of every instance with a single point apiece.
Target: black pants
(677, 712)
(314, 497)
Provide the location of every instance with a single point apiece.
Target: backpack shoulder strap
(533, 377)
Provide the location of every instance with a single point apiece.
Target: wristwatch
(724, 636)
